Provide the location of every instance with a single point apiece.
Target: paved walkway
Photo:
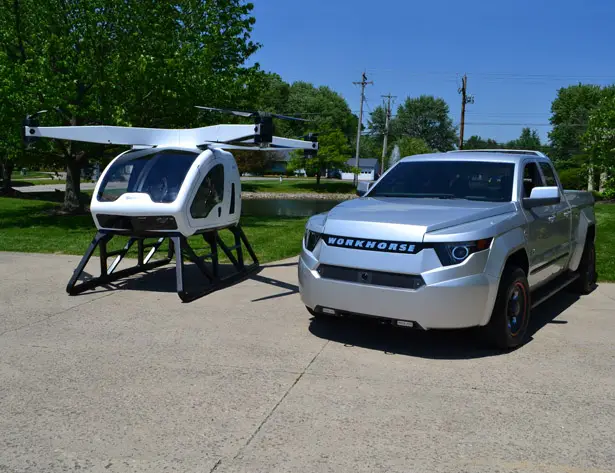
(242, 380)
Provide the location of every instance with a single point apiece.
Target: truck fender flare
(580, 237)
(503, 247)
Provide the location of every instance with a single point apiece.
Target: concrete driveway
(242, 380)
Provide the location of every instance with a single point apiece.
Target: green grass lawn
(31, 175)
(291, 186)
(35, 182)
(605, 242)
(27, 225)
(299, 186)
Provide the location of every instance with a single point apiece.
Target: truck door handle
(551, 218)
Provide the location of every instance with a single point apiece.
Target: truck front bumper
(440, 303)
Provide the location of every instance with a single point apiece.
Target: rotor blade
(286, 117)
(237, 113)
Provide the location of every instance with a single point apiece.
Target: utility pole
(464, 100)
(386, 130)
(363, 83)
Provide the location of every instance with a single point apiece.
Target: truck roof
(489, 155)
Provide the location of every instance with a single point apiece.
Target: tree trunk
(72, 195)
(603, 179)
(7, 171)
(590, 178)
(318, 177)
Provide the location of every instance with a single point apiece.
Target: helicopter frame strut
(179, 247)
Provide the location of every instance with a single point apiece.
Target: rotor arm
(132, 136)
(218, 136)
(310, 148)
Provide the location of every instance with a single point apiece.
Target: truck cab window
(531, 178)
(210, 193)
(549, 175)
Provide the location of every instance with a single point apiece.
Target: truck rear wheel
(586, 270)
(507, 327)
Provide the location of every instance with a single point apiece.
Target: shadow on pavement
(434, 344)
(547, 312)
(163, 280)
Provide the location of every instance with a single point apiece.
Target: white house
(369, 169)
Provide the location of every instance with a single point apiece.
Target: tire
(586, 270)
(316, 315)
(510, 318)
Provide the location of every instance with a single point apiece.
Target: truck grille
(374, 278)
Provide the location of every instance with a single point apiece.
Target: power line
(523, 124)
(505, 75)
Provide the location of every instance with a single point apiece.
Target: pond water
(286, 207)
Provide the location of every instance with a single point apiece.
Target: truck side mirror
(363, 187)
(542, 196)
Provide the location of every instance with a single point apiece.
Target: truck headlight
(455, 253)
(310, 239)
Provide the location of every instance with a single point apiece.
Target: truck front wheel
(509, 321)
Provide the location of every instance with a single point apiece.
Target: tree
(18, 91)
(529, 140)
(270, 93)
(135, 63)
(326, 110)
(254, 162)
(476, 142)
(599, 139)
(369, 146)
(570, 112)
(377, 123)
(411, 146)
(426, 117)
(333, 152)
(375, 140)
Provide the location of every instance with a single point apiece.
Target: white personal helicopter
(171, 184)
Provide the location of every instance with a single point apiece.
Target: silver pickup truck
(452, 240)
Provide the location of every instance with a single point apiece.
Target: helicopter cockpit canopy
(158, 173)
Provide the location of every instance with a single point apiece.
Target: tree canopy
(140, 63)
(476, 142)
(570, 112)
(427, 118)
(333, 152)
(412, 146)
(599, 139)
(529, 140)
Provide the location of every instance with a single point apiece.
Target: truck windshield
(471, 180)
(159, 174)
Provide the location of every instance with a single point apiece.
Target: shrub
(573, 178)
(597, 196)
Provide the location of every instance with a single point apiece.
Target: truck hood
(406, 218)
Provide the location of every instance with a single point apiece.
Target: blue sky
(517, 53)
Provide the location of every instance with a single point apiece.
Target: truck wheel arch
(519, 259)
(508, 248)
(516, 258)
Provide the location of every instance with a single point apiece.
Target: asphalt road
(128, 379)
